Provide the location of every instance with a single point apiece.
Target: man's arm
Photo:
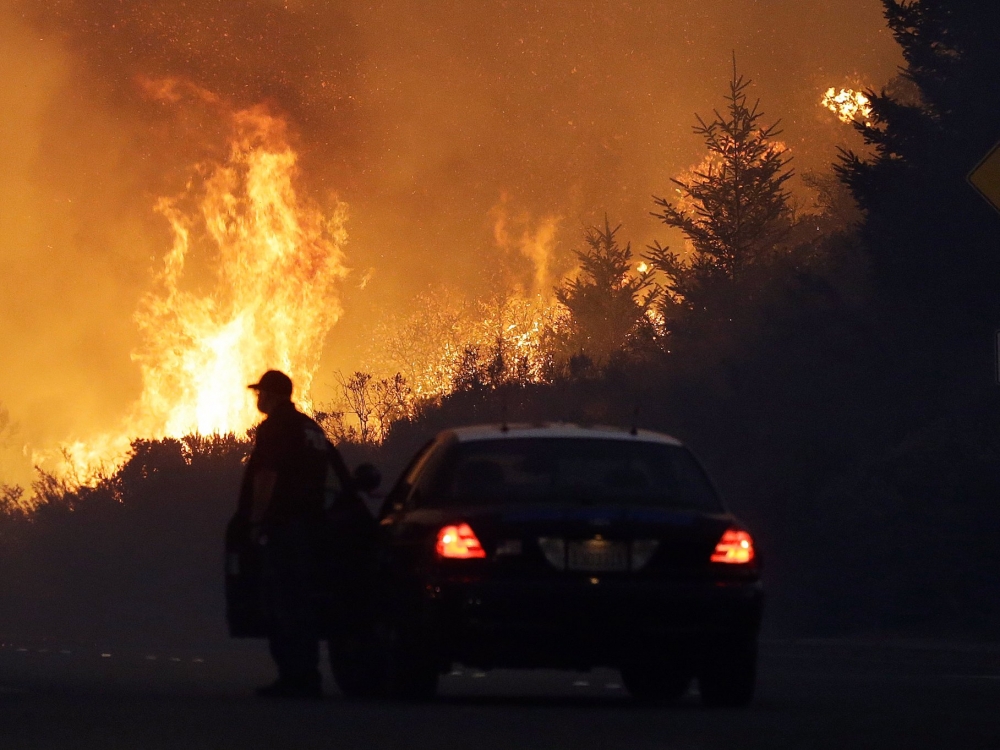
(264, 461)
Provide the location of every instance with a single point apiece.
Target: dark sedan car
(564, 547)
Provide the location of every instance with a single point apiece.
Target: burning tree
(510, 342)
(453, 344)
(734, 210)
(359, 397)
(335, 425)
(375, 404)
(607, 303)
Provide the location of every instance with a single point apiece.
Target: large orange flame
(270, 303)
(273, 303)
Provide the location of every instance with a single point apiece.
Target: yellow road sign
(986, 177)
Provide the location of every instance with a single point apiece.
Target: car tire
(357, 667)
(414, 682)
(409, 671)
(728, 675)
(655, 683)
(384, 664)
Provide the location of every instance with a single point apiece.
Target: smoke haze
(465, 137)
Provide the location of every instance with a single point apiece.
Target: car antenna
(635, 421)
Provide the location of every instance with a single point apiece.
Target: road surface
(812, 695)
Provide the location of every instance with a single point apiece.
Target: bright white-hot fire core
(270, 304)
(849, 105)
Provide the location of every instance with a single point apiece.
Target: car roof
(558, 430)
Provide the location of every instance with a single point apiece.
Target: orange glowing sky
(430, 120)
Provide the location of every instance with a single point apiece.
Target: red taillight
(735, 547)
(459, 542)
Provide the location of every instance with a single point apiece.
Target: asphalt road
(843, 695)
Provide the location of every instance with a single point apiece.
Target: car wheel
(415, 682)
(384, 663)
(358, 668)
(729, 674)
(409, 668)
(655, 683)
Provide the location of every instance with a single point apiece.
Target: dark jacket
(314, 485)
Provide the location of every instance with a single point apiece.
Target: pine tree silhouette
(607, 302)
(930, 239)
(734, 210)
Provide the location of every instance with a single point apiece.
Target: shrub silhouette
(136, 557)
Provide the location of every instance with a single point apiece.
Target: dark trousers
(288, 570)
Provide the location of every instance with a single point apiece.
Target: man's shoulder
(292, 425)
(306, 421)
(283, 416)
(280, 425)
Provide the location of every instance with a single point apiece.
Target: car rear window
(580, 471)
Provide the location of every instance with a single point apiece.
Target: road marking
(105, 654)
(581, 683)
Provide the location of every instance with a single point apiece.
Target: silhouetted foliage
(393, 402)
(135, 557)
(931, 240)
(734, 211)
(492, 366)
(335, 426)
(358, 395)
(607, 302)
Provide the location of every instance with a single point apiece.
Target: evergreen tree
(734, 211)
(607, 302)
(931, 240)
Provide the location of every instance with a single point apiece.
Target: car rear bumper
(586, 622)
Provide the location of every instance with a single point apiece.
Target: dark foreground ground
(812, 695)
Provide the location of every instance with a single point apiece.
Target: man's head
(273, 389)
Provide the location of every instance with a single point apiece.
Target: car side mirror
(367, 478)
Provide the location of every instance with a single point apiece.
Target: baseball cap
(274, 381)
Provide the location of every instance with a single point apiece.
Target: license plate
(597, 556)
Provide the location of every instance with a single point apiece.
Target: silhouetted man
(285, 478)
